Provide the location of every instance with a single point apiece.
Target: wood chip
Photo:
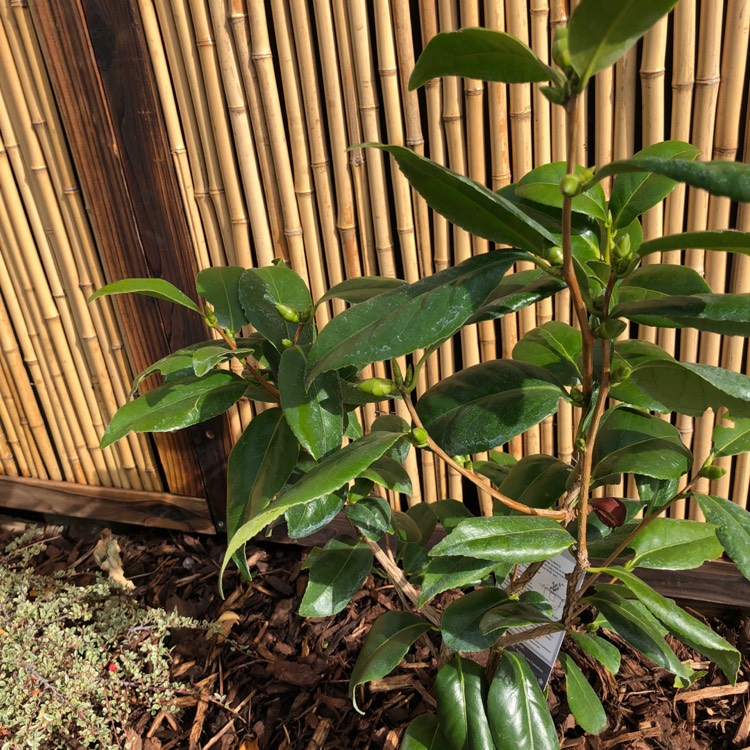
(397, 682)
(743, 731)
(631, 737)
(710, 693)
(321, 734)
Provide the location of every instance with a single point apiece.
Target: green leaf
(542, 185)
(261, 289)
(516, 291)
(633, 622)
(554, 346)
(597, 648)
(583, 702)
(158, 288)
(733, 528)
(599, 33)
(516, 539)
(484, 406)
(727, 178)
(634, 193)
(406, 527)
(656, 492)
(518, 711)
(360, 289)
(181, 402)
(426, 520)
(496, 473)
(727, 240)
(336, 574)
(443, 573)
(687, 628)
(410, 317)
(424, 733)
(460, 623)
(330, 474)
(353, 428)
(537, 481)
(731, 441)
(221, 288)
(304, 520)
(478, 53)
(468, 204)
(631, 441)
(692, 388)
(388, 641)
(207, 358)
(460, 691)
(657, 281)
(450, 513)
(315, 413)
(633, 353)
(394, 423)
(390, 474)
(671, 544)
(261, 461)
(531, 608)
(372, 516)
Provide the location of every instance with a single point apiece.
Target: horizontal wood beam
(154, 509)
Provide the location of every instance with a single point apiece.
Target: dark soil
(285, 678)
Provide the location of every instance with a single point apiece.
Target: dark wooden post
(101, 73)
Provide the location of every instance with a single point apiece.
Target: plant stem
(560, 515)
(232, 344)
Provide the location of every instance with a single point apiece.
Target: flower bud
(610, 511)
(570, 185)
(288, 313)
(560, 51)
(419, 437)
(712, 471)
(286, 343)
(555, 255)
(623, 248)
(610, 328)
(620, 373)
(576, 396)
(377, 386)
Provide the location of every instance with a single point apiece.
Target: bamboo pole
(11, 424)
(8, 465)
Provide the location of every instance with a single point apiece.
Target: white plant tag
(552, 582)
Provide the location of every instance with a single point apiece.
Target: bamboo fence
(264, 104)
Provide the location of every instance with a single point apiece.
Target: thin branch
(252, 369)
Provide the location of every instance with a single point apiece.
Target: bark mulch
(284, 679)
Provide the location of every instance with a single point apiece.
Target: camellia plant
(289, 463)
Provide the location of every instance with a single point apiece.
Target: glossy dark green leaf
(444, 573)
(468, 204)
(603, 546)
(727, 178)
(361, 288)
(157, 288)
(657, 281)
(484, 406)
(517, 539)
(599, 33)
(542, 185)
(554, 346)
(633, 353)
(516, 291)
(316, 412)
(336, 574)
(394, 423)
(518, 712)
(727, 240)
(220, 287)
(583, 702)
(207, 358)
(478, 53)
(424, 733)
(352, 426)
(372, 516)
(261, 461)
(536, 480)
(329, 475)
(406, 527)
(261, 289)
(692, 388)
(181, 402)
(631, 441)
(461, 692)
(633, 622)
(672, 544)
(388, 641)
(426, 520)
(410, 317)
(305, 520)
(656, 492)
(634, 193)
(460, 623)
(531, 608)
(450, 513)
(731, 440)
(597, 648)
(390, 474)
(733, 528)
(496, 473)
(687, 628)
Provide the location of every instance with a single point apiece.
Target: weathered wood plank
(155, 509)
(100, 70)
